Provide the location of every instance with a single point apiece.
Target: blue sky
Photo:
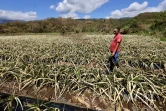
(42, 9)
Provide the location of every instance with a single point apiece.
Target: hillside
(60, 25)
(145, 23)
(2, 21)
(152, 23)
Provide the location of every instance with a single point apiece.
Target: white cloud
(162, 5)
(86, 17)
(107, 17)
(73, 6)
(79, 5)
(70, 15)
(52, 7)
(136, 8)
(12, 15)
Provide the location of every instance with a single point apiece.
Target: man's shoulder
(119, 35)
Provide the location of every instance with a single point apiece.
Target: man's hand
(113, 53)
(117, 45)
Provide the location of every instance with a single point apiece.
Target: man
(115, 49)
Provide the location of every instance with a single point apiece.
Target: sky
(77, 9)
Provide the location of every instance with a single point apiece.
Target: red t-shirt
(116, 39)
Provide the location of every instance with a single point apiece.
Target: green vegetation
(163, 39)
(59, 25)
(146, 23)
(75, 64)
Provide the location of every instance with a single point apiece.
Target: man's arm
(116, 48)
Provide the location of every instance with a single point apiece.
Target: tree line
(151, 23)
(59, 25)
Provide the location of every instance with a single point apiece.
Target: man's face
(116, 31)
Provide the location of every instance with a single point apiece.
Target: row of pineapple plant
(77, 63)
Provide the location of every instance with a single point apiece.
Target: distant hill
(151, 23)
(5, 20)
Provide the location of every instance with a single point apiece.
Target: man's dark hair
(118, 28)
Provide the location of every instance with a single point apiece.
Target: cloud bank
(136, 8)
(86, 17)
(70, 8)
(13, 15)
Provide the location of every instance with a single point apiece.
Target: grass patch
(163, 39)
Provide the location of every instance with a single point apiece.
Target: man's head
(116, 30)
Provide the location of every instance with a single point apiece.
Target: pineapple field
(73, 69)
